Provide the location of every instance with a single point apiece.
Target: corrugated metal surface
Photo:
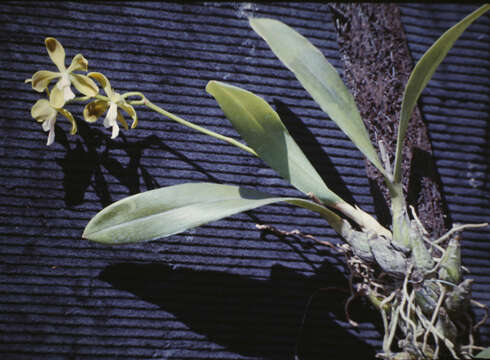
(455, 106)
(225, 290)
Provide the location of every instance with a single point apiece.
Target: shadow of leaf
(313, 151)
(247, 316)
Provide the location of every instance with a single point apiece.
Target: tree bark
(377, 64)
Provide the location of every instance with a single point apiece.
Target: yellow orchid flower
(46, 114)
(62, 92)
(96, 108)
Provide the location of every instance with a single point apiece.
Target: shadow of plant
(251, 317)
(313, 150)
(84, 164)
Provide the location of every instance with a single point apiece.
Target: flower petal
(45, 125)
(57, 97)
(68, 93)
(84, 84)
(42, 78)
(103, 81)
(56, 52)
(115, 130)
(94, 110)
(48, 125)
(131, 112)
(78, 63)
(121, 119)
(70, 118)
(50, 137)
(111, 116)
(42, 111)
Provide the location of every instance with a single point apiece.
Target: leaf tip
(85, 234)
(88, 232)
(210, 85)
(257, 23)
(214, 85)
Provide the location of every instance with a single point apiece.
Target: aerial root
(283, 233)
(456, 229)
(485, 316)
(419, 333)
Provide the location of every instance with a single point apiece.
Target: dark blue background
(224, 290)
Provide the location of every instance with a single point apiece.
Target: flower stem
(181, 121)
(363, 219)
(360, 217)
(133, 93)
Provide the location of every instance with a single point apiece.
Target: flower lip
(111, 119)
(64, 81)
(49, 125)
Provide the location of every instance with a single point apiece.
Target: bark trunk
(377, 64)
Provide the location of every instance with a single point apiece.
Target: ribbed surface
(225, 290)
(456, 105)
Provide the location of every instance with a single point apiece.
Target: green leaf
(421, 75)
(262, 129)
(319, 78)
(170, 210)
(485, 354)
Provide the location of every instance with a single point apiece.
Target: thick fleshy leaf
(78, 63)
(421, 75)
(56, 52)
(84, 84)
(262, 129)
(42, 111)
(319, 78)
(170, 210)
(41, 79)
(103, 81)
(94, 110)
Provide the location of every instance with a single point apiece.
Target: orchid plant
(413, 280)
